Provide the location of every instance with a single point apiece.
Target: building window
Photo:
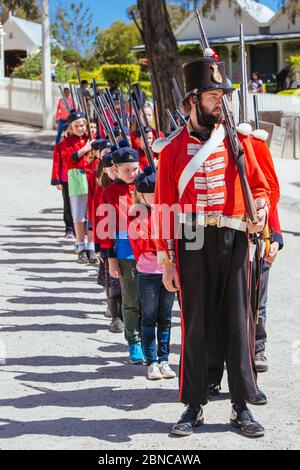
(264, 30)
(11, 36)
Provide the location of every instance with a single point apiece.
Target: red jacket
(215, 188)
(70, 146)
(56, 165)
(118, 195)
(134, 138)
(264, 158)
(92, 183)
(142, 242)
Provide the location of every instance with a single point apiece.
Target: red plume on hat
(211, 53)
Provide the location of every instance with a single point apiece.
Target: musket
(123, 108)
(95, 94)
(236, 148)
(111, 101)
(172, 120)
(256, 114)
(138, 95)
(100, 112)
(203, 38)
(85, 108)
(64, 98)
(244, 83)
(240, 161)
(177, 111)
(155, 107)
(142, 131)
(78, 100)
(72, 96)
(266, 232)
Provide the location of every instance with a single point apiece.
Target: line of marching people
(105, 188)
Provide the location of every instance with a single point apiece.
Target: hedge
(121, 74)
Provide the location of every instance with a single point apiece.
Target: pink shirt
(61, 111)
(147, 264)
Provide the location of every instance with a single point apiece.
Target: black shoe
(259, 399)
(92, 257)
(82, 257)
(241, 417)
(261, 362)
(190, 418)
(213, 390)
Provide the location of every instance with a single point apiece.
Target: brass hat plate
(217, 77)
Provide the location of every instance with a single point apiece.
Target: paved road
(65, 380)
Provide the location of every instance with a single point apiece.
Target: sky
(107, 11)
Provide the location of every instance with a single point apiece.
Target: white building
(270, 37)
(22, 39)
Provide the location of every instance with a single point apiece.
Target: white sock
(81, 246)
(90, 246)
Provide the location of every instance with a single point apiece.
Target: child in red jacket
(106, 173)
(59, 179)
(156, 301)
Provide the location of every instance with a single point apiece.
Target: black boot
(213, 390)
(190, 418)
(259, 399)
(241, 417)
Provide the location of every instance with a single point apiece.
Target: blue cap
(125, 155)
(145, 182)
(101, 144)
(75, 116)
(107, 160)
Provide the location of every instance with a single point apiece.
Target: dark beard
(205, 119)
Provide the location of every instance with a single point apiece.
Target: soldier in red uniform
(197, 172)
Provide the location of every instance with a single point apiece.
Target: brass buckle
(213, 220)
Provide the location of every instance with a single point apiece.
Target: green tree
(27, 9)
(73, 28)
(113, 45)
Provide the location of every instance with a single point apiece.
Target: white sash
(199, 158)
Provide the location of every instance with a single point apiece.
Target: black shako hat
(75, 116)
(204, 74)
(125, 154)
(145, 182)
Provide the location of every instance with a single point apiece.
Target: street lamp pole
(47, 79)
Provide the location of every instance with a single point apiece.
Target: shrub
(121, 74)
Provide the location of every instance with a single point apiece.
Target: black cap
(204, 74)
(107, 160)
(145, 182)
(75, 116)
(125, 154)
(101, 144)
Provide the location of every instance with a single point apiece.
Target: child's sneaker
(166, 371)
(153, 372)
(136, 355)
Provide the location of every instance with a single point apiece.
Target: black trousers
(114, 301)
(68, 219)
(214, 282)
(256, 329)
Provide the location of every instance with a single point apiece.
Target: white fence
(268, 102)
(21, 102)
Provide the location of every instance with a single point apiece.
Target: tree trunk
(162, 52)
